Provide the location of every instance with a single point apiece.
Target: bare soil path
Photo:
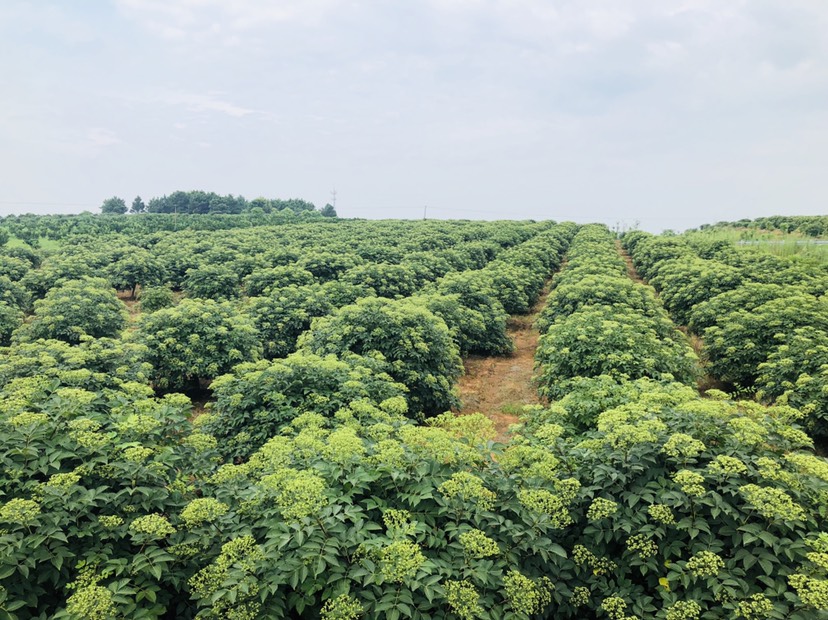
(499, 387)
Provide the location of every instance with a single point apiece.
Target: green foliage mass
(156, 297)
(614, 341)
(796, 374)
(257, 399)
(284, 314)
(74, 309)
(683, 283)
(212, 282)
(742, 339)
(262, 281)
(196, 340)
(10, 319)
(416, 344)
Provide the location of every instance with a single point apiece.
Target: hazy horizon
(669, 114)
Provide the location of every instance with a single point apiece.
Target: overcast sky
(670, 113)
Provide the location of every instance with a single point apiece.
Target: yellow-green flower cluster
(298, 494)
(475, 428)
(725, 466)
(110, 522)
(203, 510)
(28, 419)
(585, 557)
(772, 503)
(201, 442)
(273, 455)
(532, 461)
(549, 432)
(757, 607)
(399, 560)
(463, 599)
(398, 522)
(818, 558)
(748, 432)
(438, 444)
(466, 486)
(579, 597)
(138, 423)
(525, 595)
(684, 610)
(344, 446)
(90, 440)
(661, 513)
(705, 564)
(641, 544)
(153, 525)
(601, 508)
(555, 506)
(809, 465)
(343, 607)
(681, 446)
(771, 469)
(812, 592)
(798, 438)
(241, 553)
(690, 482)
(63, 481)
(388, 454)
(20, 511)
(616, 608)
(477, 545)
(138, 454)
(92, 602)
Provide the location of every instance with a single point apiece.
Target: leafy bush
(683, 283)
(257, 399)
(13, 267)
(263, 281)
(386, 280)
(155, 298)
(796, 374)
(85, 518)
(196, 340)
(476, 295)
(327, 266)
(136, 267)
(687, 503)
(212, 282)
(614, 341)
(741, 340)
(572, 294)
(417, 345)
(13, 293)
(748, 296)
(76, 308)
(10, 319)
(94, 365)
(285, 314)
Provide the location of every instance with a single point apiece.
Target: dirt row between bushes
(499, 387)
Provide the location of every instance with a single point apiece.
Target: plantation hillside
(245, 411)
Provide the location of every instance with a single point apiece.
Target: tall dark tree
(138, 206)
(328, 210)
(113, 206)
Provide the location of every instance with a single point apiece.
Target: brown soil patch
(499, 387)
(631, 272)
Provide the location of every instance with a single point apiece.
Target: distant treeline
(198, 202)
(808, 225)
(209, 202)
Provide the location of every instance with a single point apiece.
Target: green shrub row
(763, 319)
(598, 322)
